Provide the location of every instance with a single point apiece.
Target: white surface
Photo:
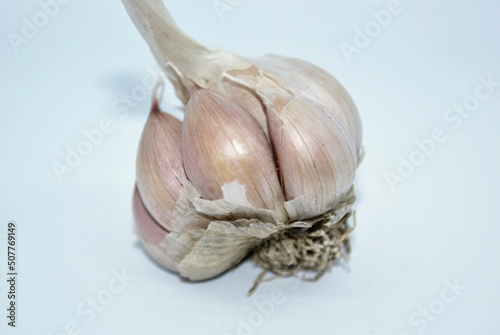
(440, 225)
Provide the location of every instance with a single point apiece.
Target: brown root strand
(295, 250)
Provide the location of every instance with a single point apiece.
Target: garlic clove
(316, 158)
(316, 153)
(226, 153)
(159, 166)
(310, 81)
(154, 237)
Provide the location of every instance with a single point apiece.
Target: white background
(440, 224)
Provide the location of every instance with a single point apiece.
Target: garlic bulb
(264, 160)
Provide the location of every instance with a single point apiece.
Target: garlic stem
(173, 49)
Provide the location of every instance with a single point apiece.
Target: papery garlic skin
(267, 145)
